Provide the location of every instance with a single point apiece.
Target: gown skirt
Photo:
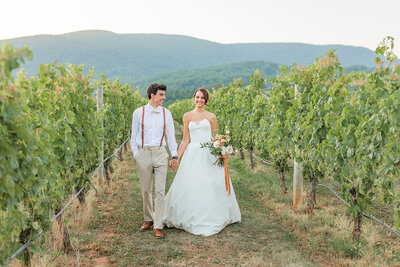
(197, 200)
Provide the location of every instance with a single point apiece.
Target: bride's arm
(214, 125)
(186, 136)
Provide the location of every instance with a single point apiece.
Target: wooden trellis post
(99, 93)
(297, 177)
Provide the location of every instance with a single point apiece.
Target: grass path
(113, 237)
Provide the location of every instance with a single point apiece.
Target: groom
(151, 124)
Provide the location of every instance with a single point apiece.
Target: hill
(182, 83)
(133, 56)
(358, 68)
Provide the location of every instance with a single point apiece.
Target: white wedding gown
(197, 200)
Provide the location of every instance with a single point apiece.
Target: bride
(197, 200)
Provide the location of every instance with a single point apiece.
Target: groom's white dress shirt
(153, 129)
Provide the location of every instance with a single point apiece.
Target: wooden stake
(100, 172)
(297, 177)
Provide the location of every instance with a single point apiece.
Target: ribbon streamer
(227, 183)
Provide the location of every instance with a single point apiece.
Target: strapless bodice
(200, 132)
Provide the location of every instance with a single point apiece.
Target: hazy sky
(351, 22)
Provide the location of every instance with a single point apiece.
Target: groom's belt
(151, 147)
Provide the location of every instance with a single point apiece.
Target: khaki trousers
(149, 159)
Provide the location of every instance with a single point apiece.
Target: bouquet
(219, 147)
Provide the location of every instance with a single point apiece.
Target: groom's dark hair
(154, 87)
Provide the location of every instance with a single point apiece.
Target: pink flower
(229, 149)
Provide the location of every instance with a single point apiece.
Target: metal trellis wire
(366, 216)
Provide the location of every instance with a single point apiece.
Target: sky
(350, 22)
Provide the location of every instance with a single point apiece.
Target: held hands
(173, 164)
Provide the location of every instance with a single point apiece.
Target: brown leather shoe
(158, 234)
(146, 226)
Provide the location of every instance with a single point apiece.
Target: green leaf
(70, 117)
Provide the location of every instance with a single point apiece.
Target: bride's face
(199, 99)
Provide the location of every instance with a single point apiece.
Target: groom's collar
(153, 109)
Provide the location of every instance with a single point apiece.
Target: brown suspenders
(142, 126)
(162, 138)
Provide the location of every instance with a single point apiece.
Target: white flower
(216, 144)
(227, 132)
(229, 149)
(223, 150)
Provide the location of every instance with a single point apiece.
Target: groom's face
(158, 98)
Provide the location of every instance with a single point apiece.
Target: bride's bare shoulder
(211, 115)
(187, 115)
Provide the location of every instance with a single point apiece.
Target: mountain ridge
(134, 56)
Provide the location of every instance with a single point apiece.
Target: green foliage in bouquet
(219, 147)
